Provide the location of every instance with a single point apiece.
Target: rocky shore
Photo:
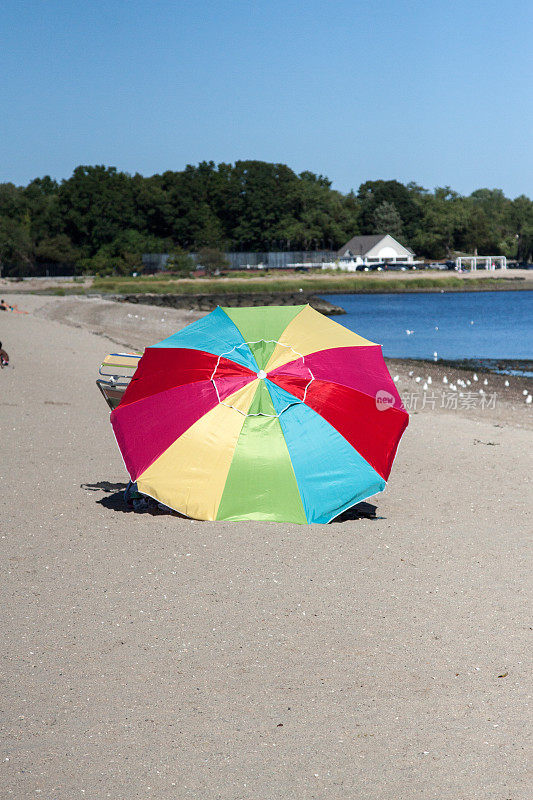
(207, 302)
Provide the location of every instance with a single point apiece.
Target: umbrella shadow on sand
(113, 500)
(361, 510)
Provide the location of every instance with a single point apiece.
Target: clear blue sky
(435, 91)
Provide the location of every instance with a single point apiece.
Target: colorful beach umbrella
(268, 413)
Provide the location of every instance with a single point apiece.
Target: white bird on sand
(485, 382)
(481, 391)
(430, 381)
(411, 374)
(425, 387)
(469, 383)
(525, 392)
(474, 377)
(506, 383)
(453, 387)
(418, 380)
(529, 399)
(396, 378)
(444, 379)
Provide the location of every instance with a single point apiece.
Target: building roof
(361, 245)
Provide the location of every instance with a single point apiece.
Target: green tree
(212, 260)
(521, 226)
(387, 220)
(96, 204)
(372, 193)
(124, 253)
(16, 248)
(57, 249)
(442, 223)
(180, 262)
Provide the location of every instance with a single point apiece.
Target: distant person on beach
(4, 358)
(6, 307)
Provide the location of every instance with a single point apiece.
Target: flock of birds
(459, 382)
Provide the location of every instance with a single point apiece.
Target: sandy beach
(159, 657)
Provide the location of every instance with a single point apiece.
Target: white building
(362, 251)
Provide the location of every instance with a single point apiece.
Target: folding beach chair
(116, 370)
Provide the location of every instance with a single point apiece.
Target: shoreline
(208, 302)
(459, 369)
(515, 367)
(261, 285)
(519, 287)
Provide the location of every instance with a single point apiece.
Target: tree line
(101, 220)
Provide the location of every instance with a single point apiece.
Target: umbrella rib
(337, 383)
(266, 341)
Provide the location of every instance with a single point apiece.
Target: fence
(269, 260)
(279, 259)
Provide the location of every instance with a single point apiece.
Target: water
(483, 327)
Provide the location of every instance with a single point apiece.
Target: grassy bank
(318, 285)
